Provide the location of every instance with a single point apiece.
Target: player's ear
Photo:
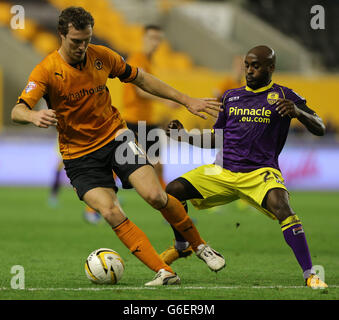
(62, 37)
(272, 68)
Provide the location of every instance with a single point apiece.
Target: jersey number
(268, 175)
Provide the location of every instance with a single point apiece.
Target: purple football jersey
(253, 132)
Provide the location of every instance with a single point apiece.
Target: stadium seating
(293, 18)
(124, 37)
(5, 14)
(33, 32)
(177, 68)
(111, 29)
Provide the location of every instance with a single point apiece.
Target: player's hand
(174, 124)
(210, 106)
(44, 118)
(179, 133)
(287, 107)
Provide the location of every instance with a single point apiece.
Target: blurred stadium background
(202, 39)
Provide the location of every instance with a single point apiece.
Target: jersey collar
(262, 89)
(80, 65)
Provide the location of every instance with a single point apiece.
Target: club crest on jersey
(30, 86)
(59, 75)
(272, 97)
(98, 64)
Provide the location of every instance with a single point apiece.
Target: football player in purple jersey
(254, 125)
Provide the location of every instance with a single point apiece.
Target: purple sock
(295, 237)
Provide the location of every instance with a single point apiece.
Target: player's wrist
(185, 100)
(32, 116)
(297, 112)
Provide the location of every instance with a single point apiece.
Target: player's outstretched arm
(313, 123)
(42, 118)
(159, 88)
(306, 116)
(176, 131)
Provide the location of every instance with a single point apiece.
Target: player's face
(75, 43)
(152, 40)
(257, 71)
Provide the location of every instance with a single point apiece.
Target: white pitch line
(116, 288)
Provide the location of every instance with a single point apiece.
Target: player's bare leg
(158, 168)
(277, 202)
(105, 201)
(146, 183)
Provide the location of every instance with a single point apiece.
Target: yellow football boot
(171, 254)
(314, 282)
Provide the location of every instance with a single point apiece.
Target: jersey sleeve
(296, 98)
(36, 87)
(299, 101)
(121, 69)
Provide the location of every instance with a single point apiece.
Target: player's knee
(110, 212)
(281, 209)
(156, 198)
(175, 189)
(278, 203)
(284, 213)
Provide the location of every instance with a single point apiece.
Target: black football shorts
(95, 169)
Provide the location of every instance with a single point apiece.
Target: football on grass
(104, 266)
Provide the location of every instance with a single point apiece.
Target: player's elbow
(320, 130)
(16, 115)
(13, 114)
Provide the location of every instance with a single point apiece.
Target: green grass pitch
(52, 244)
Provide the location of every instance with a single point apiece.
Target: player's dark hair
(152, 27)
(77, 16)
